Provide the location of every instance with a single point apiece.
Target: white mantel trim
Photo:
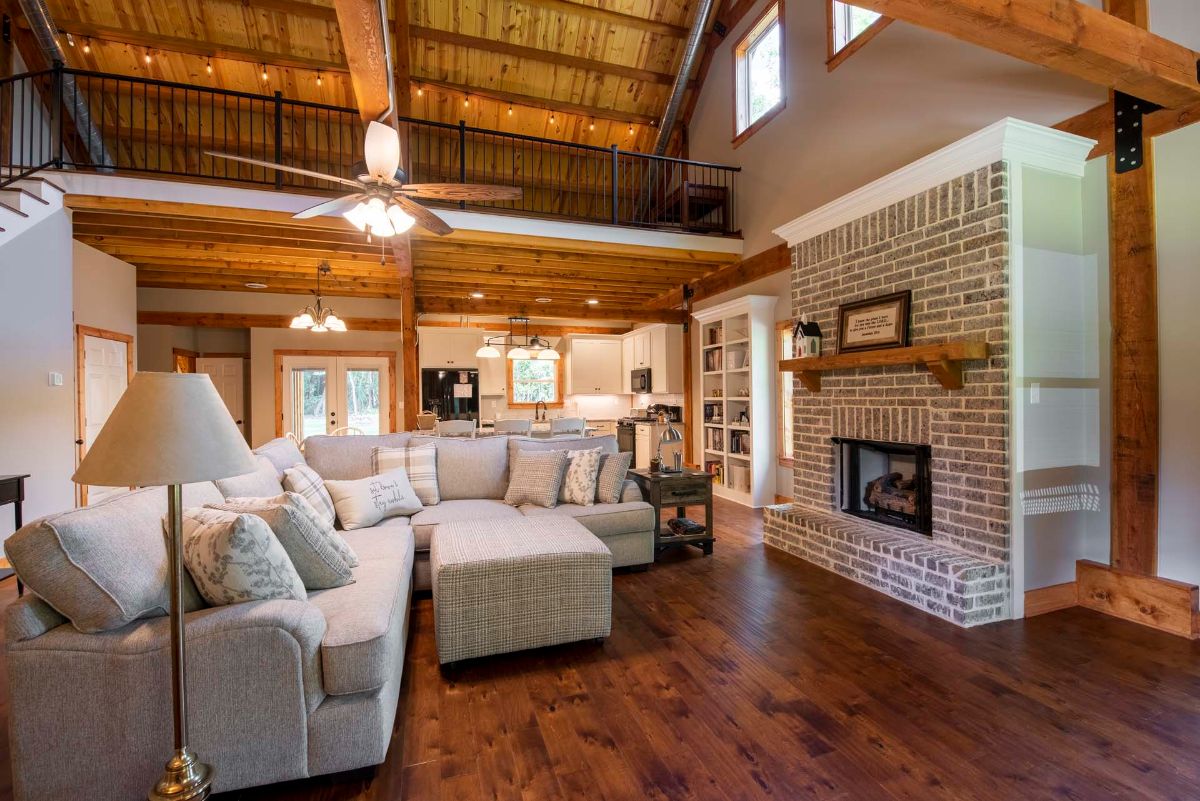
(1011, 140)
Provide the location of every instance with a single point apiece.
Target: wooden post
(691, 425)
(1134, 299)
(410, 350)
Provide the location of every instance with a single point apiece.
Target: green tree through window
(534, 380)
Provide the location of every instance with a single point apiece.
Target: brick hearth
(949, 245)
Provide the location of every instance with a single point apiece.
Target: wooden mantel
(944, 360)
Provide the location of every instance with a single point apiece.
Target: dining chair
(514, 427)
(568, 425)
(348, 431)
(456, 428)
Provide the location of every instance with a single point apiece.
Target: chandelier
(520, 346)
(319, 318)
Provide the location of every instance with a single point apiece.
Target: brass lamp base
(186, 779)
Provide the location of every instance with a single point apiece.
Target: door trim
(390, 355)
(82, 331)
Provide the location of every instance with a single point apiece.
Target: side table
(689, 488)
(12, 490)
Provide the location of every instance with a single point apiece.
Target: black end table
(681, 490)
(12, 490)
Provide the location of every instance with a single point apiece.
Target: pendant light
(520, 346)
(319, 318)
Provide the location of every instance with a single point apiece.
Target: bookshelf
(737, 398)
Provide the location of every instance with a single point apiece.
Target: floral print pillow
(579, 484)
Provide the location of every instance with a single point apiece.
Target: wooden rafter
(547, 310)
(363, 40)
(1064, 35)
(767, 262)
(1098, 123)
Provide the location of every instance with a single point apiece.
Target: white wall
(105, 291)
(37, 421)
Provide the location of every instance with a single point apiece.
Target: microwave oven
(639, 380)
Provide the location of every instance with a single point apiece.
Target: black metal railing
(79, 120)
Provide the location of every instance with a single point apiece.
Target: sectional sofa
(278, 690)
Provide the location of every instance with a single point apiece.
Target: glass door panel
(310, 401)
(362, 400)
(326, 394)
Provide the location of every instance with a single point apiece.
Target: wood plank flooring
(753, 675)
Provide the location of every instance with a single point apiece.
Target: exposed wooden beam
(768, 262)
(547, 310)
(1064, 35)
(223, 320)
(530, 101)
(542, 330)
(582, 9)
(363, 33)
(1133, 277)
(1097, 123)
(197, 47)
(538, 54)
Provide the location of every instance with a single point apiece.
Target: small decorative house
(806, 337)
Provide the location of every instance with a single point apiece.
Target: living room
(616, 399)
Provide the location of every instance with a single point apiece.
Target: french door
(326, 393)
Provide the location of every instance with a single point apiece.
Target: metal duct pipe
(46, 33)
(690, 51)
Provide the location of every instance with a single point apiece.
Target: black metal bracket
(1128, 136)
(687, 306)
(6, 29)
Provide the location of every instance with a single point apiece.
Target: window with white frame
(759, 80)
(847, 23)
(786, 446)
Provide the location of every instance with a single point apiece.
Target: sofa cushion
(374, 542)
(602, 519)
(283, 453)
(262, 483)
(235, 558)
(610, 484)
(308, 540)
(579, 482)
(347, 458)
(104, 566)
(308, 484)
(363, 620)
(606, 444)
(425, 521)
(470, 468)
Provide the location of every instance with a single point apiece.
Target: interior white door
(228, 376)
(323, 394)
(105, 378)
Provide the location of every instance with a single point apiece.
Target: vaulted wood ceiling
(188, 246)
(597, 67)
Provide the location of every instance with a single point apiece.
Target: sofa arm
(29, 617)
(95, 709)
(631, 492)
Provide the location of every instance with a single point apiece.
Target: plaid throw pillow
(535, 477)
(419, 463)
(304, 481)
(611, 480)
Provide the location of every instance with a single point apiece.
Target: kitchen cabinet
(594, 366)
(642, 451)
(659, 347)
(627, 364)
(493, 377)
(603, 428)
(449, 348)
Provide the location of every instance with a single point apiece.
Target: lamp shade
(168, 428)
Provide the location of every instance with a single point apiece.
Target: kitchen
(619, 383)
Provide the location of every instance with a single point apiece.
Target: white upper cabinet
(594, 366)
(450, 348)
(493, 376)
(659, 347)
(627, 364)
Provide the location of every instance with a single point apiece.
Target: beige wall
(105, 291)
(37, 420)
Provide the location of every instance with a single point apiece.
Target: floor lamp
(167, 430)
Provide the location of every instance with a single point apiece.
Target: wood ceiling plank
(608, 17)
(767, 262)
(533, 101)
(548, 310)
(1067, 36)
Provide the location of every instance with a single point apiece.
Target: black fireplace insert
(887, 482)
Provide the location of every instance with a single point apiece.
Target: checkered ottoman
(508, 585)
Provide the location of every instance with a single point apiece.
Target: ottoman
(507, 585)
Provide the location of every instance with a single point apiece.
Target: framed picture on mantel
(874, 323)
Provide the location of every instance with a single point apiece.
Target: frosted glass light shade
(381, 151)
(518, 353)
(168, 428)
(487, 352)
(401, 220)
(548, 354)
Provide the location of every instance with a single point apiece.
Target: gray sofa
(278, 690)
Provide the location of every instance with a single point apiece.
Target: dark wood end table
(681, 490)
(12, 490)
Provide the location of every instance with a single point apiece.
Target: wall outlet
(56, 379)
(1035, 394)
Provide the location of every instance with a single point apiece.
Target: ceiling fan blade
(284, 168)
(424, 217)
(382, 151)
(330, 207)
(462, 191)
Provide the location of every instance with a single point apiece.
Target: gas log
(892, 492)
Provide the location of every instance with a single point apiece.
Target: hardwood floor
(752, 675)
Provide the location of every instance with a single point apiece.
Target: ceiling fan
(383, 204)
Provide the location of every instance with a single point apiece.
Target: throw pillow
(613, 468)
(579, 482)
(304, 536)
(365, 502)
(535, 477)
(419, 463)
(338, 541)
(234, 558)
(305, 481)
(262, 482)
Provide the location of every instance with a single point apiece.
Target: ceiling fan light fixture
(381, 151)
(376, 216)
(357, 216)
(400, 219)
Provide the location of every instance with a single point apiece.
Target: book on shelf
(713, 413)
(716, 439)
(739, 442)
(712, 361)
(717, 469)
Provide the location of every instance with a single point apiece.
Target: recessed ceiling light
(255, 285)
(592, 301)
(477, 295)
(543, 300)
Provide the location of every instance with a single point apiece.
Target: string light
(319, 82)
(208, 66)
(551, 117)
(87, 46)
(146, 57)
(420, 91)
(631, 129)
(510, 109)
(592, 125)
(466, 100)
(264, 72)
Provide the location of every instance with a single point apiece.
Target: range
(627, 426)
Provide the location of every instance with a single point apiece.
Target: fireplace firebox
(887, 482)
